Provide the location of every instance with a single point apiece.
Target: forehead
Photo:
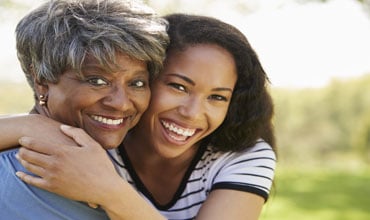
(201, 51)
(206, 60)
(114, 63)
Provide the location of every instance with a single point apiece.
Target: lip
(109, 122)
(177, 133)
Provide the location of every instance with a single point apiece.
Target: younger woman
(204, 149)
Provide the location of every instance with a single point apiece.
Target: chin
(109, 143)
(169, 153)
(110, 147)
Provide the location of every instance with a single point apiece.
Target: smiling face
(190, 99)
(106, 104)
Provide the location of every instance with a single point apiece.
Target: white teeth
(180, 131)
(178, 138)
(107, 121)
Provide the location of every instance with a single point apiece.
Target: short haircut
(60, 34)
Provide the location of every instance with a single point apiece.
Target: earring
(42, 100)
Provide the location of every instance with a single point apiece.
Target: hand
(44, 128)
(83, 172)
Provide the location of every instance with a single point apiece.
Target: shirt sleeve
(251, 170)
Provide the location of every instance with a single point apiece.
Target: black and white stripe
(251, 170)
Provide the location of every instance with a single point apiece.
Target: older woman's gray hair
(58, 36)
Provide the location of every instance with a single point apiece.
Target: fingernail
(65, 126)
(93, 205)
(17, 156)
(22, 140)
(18, 174)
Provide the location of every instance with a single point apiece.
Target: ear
(41, 86)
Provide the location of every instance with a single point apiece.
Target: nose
(191, 108)
(118, 98)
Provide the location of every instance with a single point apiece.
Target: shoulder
(250, 170)
(7, 158)
(9, 165)
(47, 205)
(7, 153)
(259, 154)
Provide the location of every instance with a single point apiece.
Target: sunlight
(299, 45)
(308, 45)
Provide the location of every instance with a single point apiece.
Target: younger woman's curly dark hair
(250, 112)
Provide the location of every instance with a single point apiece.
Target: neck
(160, 176)
(143, 155)
(37, 109)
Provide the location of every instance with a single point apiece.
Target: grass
(335, 192)
(319, 194)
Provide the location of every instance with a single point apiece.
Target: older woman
(89, 64)
(204, 149)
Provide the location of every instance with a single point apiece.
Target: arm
(125, 203)
(231, 204)
(94, 178)
(33, 125)
(241, 184)
(10, 130)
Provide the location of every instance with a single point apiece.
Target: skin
(192, 93)
(105, 104)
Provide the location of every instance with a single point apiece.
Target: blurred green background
(323, 138)
(323, 131)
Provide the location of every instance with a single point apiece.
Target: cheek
(69, 105)
(158, 96)
(56, 102)
(217, 117)
(142, 101)
(164, 102)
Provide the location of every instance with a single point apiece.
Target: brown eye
(177, 86)
(97, 81)
(218, 98)
(139, 83)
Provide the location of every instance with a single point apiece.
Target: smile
(107, 121)
(186, 132)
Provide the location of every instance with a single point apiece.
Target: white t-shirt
(251, 170)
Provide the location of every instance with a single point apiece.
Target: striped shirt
(251, 170)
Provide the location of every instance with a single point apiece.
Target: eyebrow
(193, 83)
(107, 71)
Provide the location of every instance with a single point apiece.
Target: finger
(93, 205)
(34, 157)
(37, 145)
(37, 170)
(32, 180)
(80, 136)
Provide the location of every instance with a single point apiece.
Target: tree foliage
(317, 123)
